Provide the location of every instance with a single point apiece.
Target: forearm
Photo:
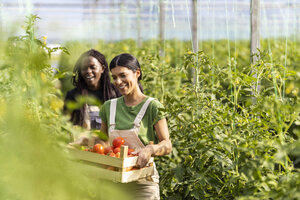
(162, 148)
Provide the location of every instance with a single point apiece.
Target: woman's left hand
(164, 146)
(144, 156)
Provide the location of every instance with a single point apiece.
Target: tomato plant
(227, 139)
(31, 119)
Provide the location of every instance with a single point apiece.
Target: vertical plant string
(229, 64)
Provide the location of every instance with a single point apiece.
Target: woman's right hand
(82, 141)
(88, 141)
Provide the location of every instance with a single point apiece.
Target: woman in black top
(91, 77)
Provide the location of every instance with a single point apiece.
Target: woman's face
(125, 79)
(91, 71)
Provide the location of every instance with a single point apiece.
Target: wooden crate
(111, 168)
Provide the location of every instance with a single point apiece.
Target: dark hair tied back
(129, 61)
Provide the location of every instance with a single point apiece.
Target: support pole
(94, 22)
(255, 29)
(1, 18)
(138, 24)
(255, 36)
(194, 27)
(122, 20)
(195, 34)
(161, 27)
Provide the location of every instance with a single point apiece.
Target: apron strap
(142, 112)
(112, 116)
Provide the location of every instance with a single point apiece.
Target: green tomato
(188, 160)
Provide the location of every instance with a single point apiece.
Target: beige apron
(147, 188)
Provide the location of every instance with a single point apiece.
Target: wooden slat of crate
(123, 177)
(134, 175)
(131, 161)
(96, 158)
(100, 173)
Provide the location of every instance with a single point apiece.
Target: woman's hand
(160, 149)
(88, 141)
(82, 141)
(91, 141)
(164, 146)
(144, 156)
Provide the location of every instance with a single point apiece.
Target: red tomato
(116, 150)
(111, 154)
(118, 141)
(98, 148)
(108, 150)
(130, 151)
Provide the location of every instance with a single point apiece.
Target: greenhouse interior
(223, 121)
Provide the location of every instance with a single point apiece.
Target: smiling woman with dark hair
(91, 77)
(139, 119)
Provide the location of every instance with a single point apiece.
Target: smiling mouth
(89, 77)
(122, 87)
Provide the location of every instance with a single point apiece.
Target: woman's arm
(103, 128)
(91, 141)
(164, 146)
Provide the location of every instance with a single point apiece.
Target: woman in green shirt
(126, 73)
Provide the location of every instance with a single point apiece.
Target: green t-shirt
(125, 116)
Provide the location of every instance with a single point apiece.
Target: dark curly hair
(105, 84)
(106, 87)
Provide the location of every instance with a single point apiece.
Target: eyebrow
(119, 74)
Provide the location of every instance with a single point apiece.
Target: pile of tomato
(114, 150)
